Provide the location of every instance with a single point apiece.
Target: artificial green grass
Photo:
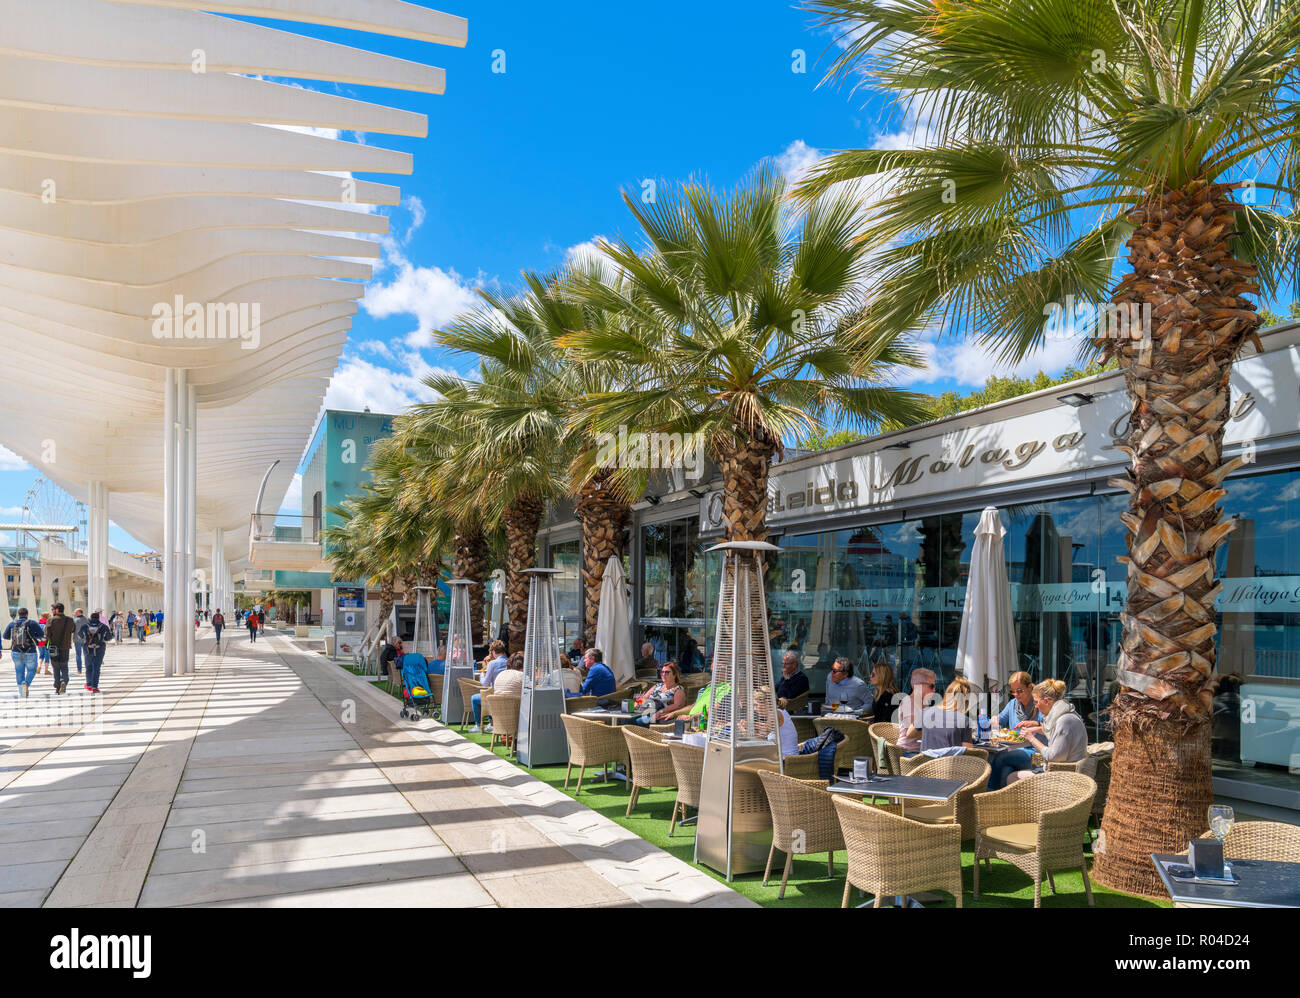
(809, 885)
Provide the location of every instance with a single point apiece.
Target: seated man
(600, 680)
(909, 717)
(647, 666)
(390, 659)
(494, 668)
(843, 687)
(793, 681)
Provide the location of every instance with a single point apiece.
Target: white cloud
(358, 384)
(8, 512)
(796, 160)
(970, 363)
(433, 295)
(9, 461)
(416, 207)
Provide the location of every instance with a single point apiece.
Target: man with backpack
(251, 621)
(218, 622)
(58, 639)
(22, 635)
(97, 637)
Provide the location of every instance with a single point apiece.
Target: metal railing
(284, 528)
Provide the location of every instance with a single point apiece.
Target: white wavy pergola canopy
(128, 178)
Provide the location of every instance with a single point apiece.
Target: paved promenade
(272, 777)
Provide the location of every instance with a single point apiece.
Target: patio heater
(734, 831)
(459, 663)
(424, 639)
(541, 740)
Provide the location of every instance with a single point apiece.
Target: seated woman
(1020, 707)
(884, 689)
(569, 678)
(666, 698)
(1066, 737)
(948, 724)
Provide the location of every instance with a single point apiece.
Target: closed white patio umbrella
(614, 623)
(986, 649)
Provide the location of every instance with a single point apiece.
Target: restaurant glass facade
(894, 593)
(567, 586)
(677, 592)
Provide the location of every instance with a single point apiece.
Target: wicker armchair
(592, 743)
(909, 765)
(468, 689)
(1268, 840)
(505, 718)
(688, 765)
(796, 705)
(435, 686)
(890, 855)
(884, 735)
(803, 822)
(574, 704)
(652, 763)
(801, 767)
(857, 739)
(960, 808)
(1037, 825)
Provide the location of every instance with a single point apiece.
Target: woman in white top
(789, 737)
(510, 680)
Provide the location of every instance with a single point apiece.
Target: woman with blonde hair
(885, 689)
(946, 725)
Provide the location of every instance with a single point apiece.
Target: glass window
(676, 592)
(567, 557)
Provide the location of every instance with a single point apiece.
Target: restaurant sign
(1050, 442)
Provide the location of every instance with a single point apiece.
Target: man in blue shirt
(497, 665)
(846, 688)
(600, 680)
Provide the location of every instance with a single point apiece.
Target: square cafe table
(1261, 884)
(924, 788)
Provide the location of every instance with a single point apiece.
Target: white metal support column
(169, 517)
(191, 518)
(219, 570)
(97, 548)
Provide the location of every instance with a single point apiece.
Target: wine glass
(1221, 821)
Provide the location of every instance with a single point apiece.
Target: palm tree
(523, 336)
(733, 324)
(507, 463)
(1058, 133)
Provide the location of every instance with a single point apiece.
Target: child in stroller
(417, 693)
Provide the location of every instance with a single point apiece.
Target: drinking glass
(1221, 821)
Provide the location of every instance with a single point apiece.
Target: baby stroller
(417, 694)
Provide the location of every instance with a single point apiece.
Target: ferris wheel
(46, 505)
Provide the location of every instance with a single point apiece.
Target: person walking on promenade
(22, 635)
(118, 626)
(58, 639)
(158, 621)
(251, 621)
(42, 652)
(97, 638)
(218, 622)
(141, 625)
(80, 623)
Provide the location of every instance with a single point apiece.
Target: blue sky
(523, 166)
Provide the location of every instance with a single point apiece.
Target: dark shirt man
(58, 639)
(793, 681)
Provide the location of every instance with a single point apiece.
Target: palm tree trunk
(744, 490)
(387, 595)
(1177, 378)
(521, 521)
(604, 515)
(471, 563)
